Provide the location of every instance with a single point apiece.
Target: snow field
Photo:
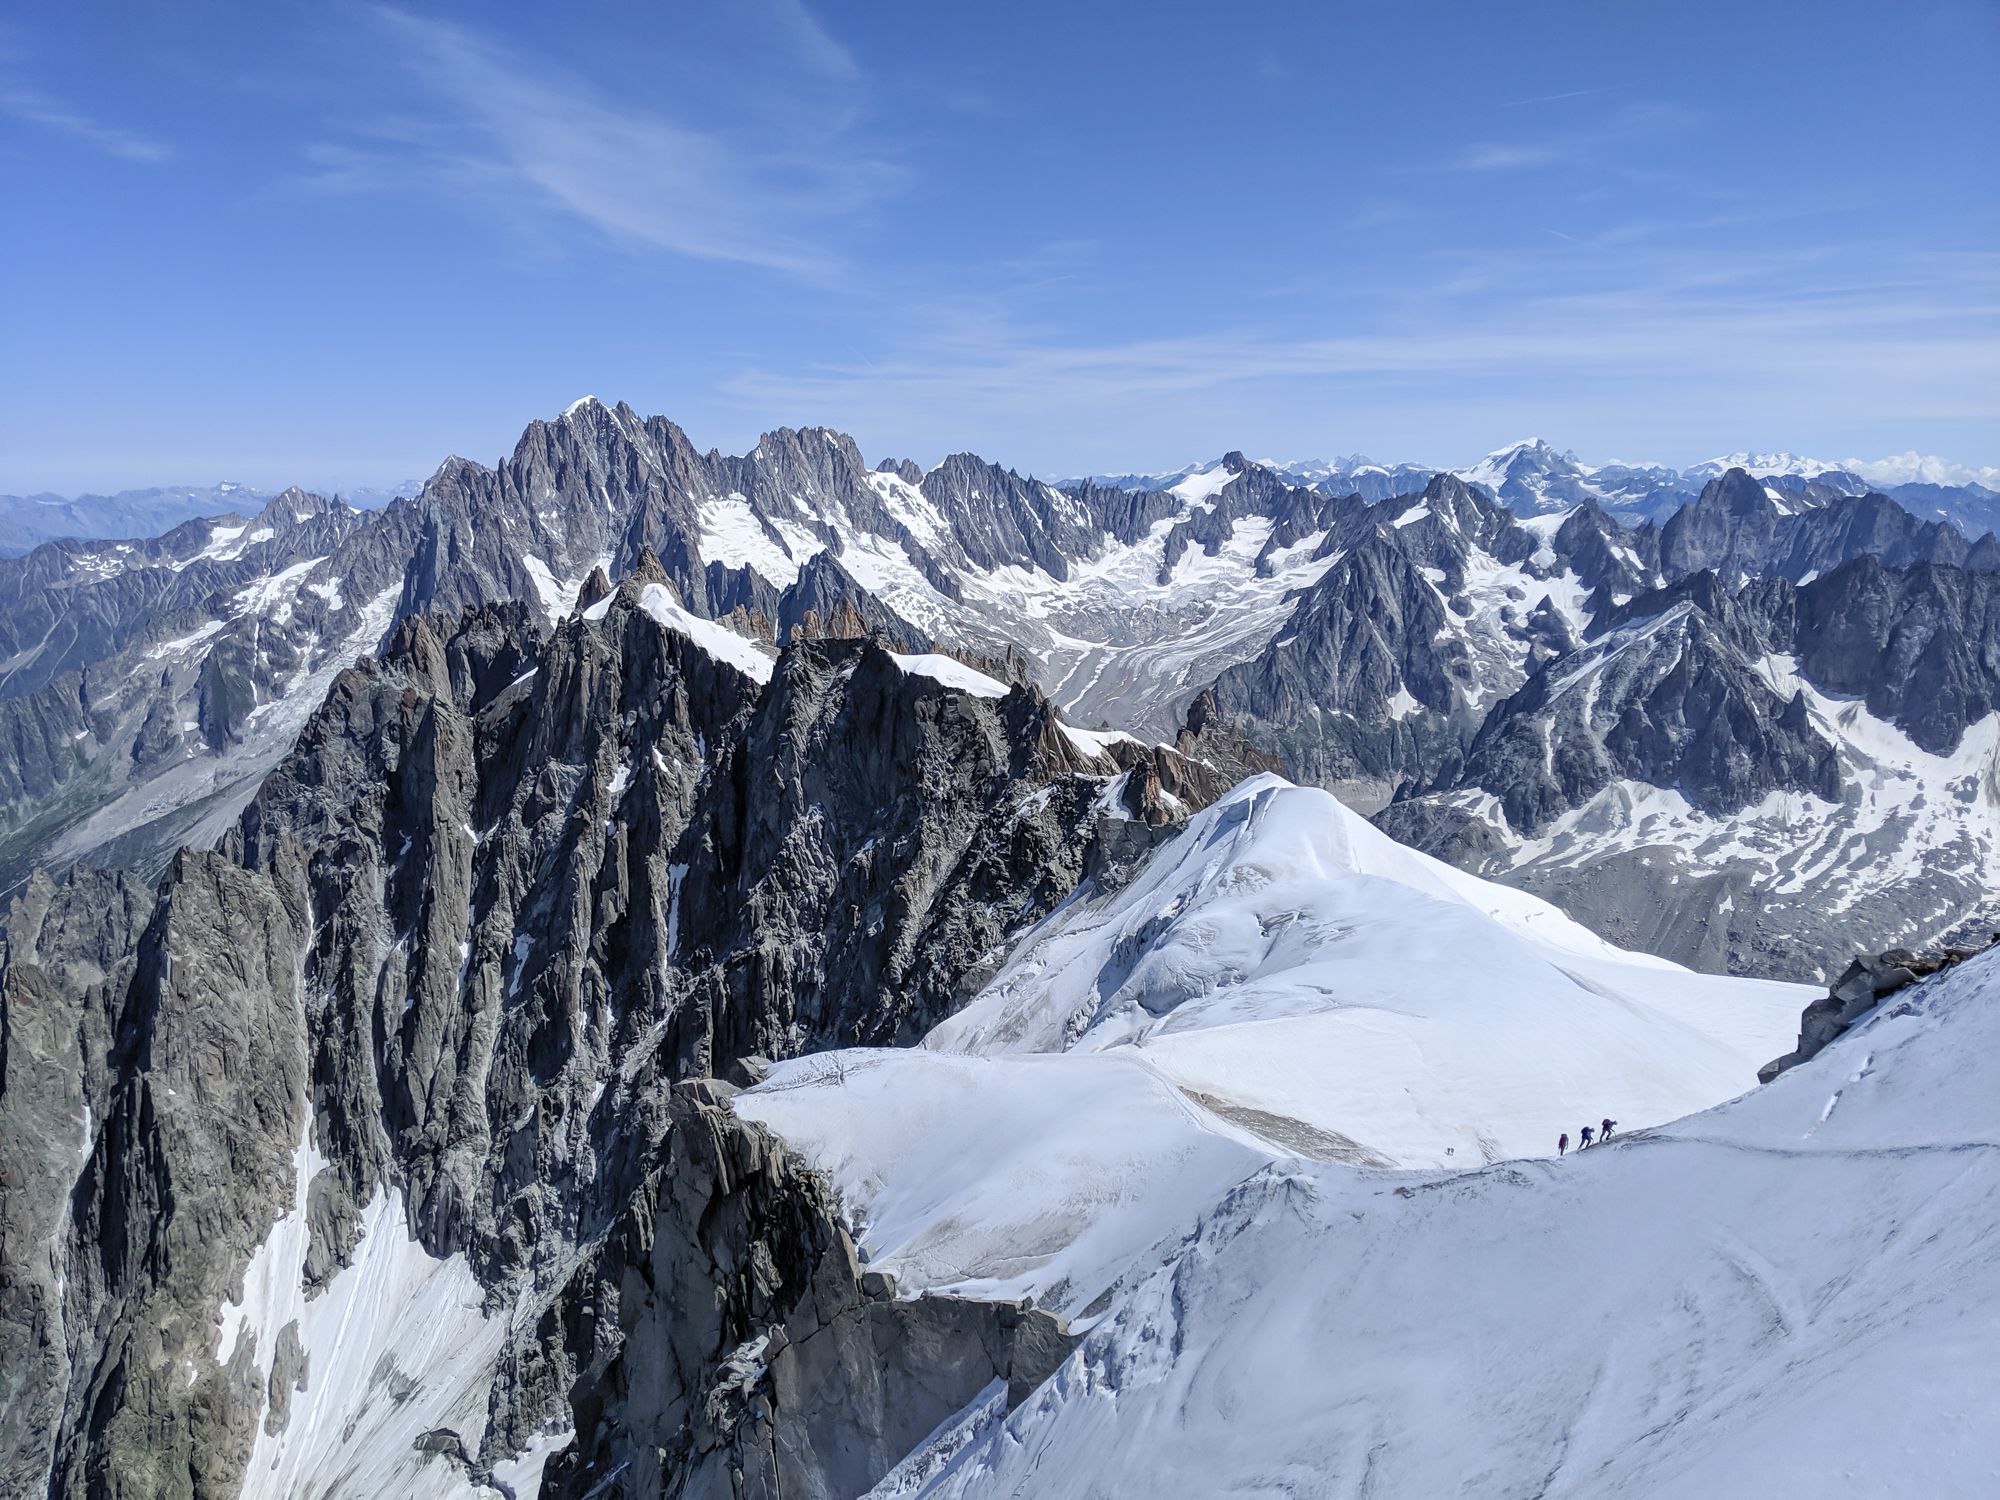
(397, 1344)
(1742, 1303)
(732, 534)
(1282, 955)
(1280, 982)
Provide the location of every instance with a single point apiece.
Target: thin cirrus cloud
(1631, 123)
(1506, 158)
(504, 134)
(113, 142)
(1786, 355)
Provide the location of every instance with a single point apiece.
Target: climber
(1562, 1143)
(1583, 1138)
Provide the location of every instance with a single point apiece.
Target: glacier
(1780, 1291)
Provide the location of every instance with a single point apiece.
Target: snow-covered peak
(1763, 465)
(1284, 953)
(1532, 477)
(1538, 449)
(1281, 980)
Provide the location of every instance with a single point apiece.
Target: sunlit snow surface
(952, 672)
(1280, 980)
(1794, 1294)
(1285, 956)
(720, 642)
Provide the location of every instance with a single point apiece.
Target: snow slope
(1791, 1295)
(399, 1344)
(1003, 1176)
(1282, 955)
(719, 641)
(1280, 981)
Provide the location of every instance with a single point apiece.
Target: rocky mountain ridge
(435, 990)
(1363, 642)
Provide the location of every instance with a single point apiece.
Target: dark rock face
(1921, 645)
(70, 961)
(1737, 530)
(800, 1376)
(1670, 702)
(504, 893)
(826, 601)
(174, 1029)
(867, 841)
(1612, 560)
(1860, 988)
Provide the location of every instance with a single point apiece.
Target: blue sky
(331, 243)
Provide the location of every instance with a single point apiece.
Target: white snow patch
(548, 592)
(732, 535)
(267, 596)
(720, 642)
(398, 1320)
(184, 642)
(952, 673)
(1202, 488)
(1097, 741)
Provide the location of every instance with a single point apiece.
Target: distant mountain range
(1533, 479)
(1489, 664)
(26, 521)
(1530, 476)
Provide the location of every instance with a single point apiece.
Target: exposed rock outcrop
(1862, 986)
(797, 1374)
(505, 892)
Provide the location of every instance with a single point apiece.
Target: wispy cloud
(519, 136)
(1770, 343)
(1549, 98)
(1612, 133)
(114, 142)
(1507, 158)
